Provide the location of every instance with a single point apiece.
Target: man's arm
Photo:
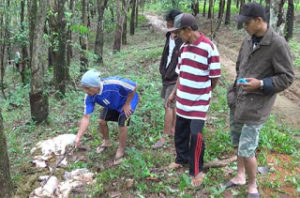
(84, 123)
(214, 82)
(127, 107)
(172, 95)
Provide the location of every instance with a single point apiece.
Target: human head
(250, 11)
(170, 17)
(185, 27)
(91, 82)
(184, 20)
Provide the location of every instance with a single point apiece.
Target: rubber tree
(99, 43)
(6, 186)
(57, 26)
(289, 20)
(38, 97)
(277, 21)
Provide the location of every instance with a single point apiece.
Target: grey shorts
(244, 137)
(165, 93)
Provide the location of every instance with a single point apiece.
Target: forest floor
(144, 172)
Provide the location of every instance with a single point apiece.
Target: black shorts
(115, 116)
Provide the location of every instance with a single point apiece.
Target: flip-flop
(230, 184)
(118, 160)
(101, 148)
(175, 165)
(197, 181)
(253, 195)
(158, 145)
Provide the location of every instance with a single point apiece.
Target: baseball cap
(250, 10)
(183, 20)
(91, 78)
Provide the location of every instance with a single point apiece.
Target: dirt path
(287, 105)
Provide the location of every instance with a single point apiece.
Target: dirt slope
(228, 40)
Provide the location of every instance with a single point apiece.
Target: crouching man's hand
(77, 141)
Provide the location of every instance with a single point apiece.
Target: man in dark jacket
(167, 67)
(264, 68)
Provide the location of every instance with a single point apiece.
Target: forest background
(46, 46)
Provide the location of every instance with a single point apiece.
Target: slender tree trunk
(132, 17)
(290, 20)
(267, 9)
(38, 99)
(237, 4)
(228, 12)
(112, 14)
(24, 52)
(277, 20)
(83, 38)
(137, 13)
(6, 186)
(69, 53)
(99, 43)
(221, 8)
(119, 24)
(195, 7)
(118, 31)
(210, 8)
(204, 8)
(124, 31)
(57, 24)
(241, 5)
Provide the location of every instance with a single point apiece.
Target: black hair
(171, 14)
(194, 27)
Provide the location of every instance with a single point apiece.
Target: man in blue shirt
(118, 98)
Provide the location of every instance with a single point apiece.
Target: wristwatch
(261, 84)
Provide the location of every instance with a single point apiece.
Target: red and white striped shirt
(197, 64)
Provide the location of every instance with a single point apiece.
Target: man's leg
(251, 166)
(197, 148)
(240, 178)
(248, 144)
(103, 127)
(122, 141)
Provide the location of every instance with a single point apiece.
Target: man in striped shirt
(118, 97)
(198, 73)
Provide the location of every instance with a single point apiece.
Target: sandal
(158, 144)
(118, 160)
(101, 148)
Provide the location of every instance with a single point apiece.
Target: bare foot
(160, 143)
(101, 148)
(174, 165)
(198, 179)
(252, 188)
(238, 180)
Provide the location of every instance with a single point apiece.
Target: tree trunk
(137, 13)
(6, 186)
(237, 4)
(195, 7)
(83, 38)
(267, 9)
(290, 20)
(277, 21)
(204, 8)
(221, 9)
(119, 24)
(112, 14)
(57, 24)
(132, 17)
(99, 43)
(228, 13)
(124, 31)
(69, 53)
(38, 99)
(24, 52)
(241, 5)
(210, 8)
(220, 17)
